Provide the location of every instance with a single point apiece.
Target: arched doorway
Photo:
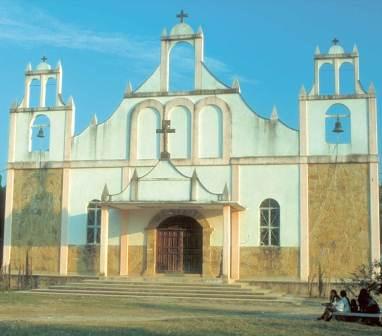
(179, 246)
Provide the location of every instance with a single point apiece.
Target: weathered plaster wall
(338, 219)
(37, 219)
(83, 259)
(269, 262)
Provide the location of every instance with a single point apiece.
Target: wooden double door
(179, 246)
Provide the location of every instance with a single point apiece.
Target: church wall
(339, 209)
(258, 183)
(36, 220)
(87, 185)
(253, 135)
(269, 262)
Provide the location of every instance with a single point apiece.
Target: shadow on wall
(36, 219)
(2, 214)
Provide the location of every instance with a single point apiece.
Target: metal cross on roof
(182, 15)
(44, 59)
(335, 41)
(166, 128)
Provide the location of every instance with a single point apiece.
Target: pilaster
(104, 240)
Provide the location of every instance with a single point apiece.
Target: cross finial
(44, 59)
(166, 128)
(181, 16)
(335, 41)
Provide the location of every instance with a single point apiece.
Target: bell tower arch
(181, 33)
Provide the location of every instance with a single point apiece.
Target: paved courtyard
(44, 314)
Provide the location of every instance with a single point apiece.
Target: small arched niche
(211, 132)
(40, 134)
(326, 79)
(180, 141)
(347, 83)
(182, 67)
(148, 141)
(338, 125)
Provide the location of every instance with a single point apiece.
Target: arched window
(338, 125)
(40, 134)
(182, 67)
(93, 233)
(269, 223)
(327, 79)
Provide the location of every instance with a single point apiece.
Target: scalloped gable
(166, 183)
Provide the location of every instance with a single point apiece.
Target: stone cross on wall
(166, 128)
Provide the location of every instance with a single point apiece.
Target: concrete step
(149, 286)
(214, 292)
(158, 295)
(161, 283)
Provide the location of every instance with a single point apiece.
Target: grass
(38, 314)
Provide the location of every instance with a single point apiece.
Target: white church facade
(195, 182)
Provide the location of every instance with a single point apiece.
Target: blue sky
(267, 45)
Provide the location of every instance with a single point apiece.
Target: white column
(227, 242)
(43, 81)
(27, 93)
(8, 218)
(103, 258)
(164, 66)
(124, 247)
(316, 78)
(198, 62)
(64, 222)
(304, 223)
(336, 77)
(373, 134)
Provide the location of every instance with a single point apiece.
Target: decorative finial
(105, 194)
(200, 30)
(274, 114)
(129, 88)
(225, 194)
(181, 16)
(29, 67)
(317, 51)
(94, 120)
(236, 84)
(44, 59)
(371, 89)
(335, 41)
(70, 101)
(302, 91)
(355, 49)
(164, 32)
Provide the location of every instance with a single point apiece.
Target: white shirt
(342, 305)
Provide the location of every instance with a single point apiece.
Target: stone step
(159, 295)
(161, 283)
(212, 292)
(159, 287)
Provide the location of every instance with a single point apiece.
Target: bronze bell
(338, 126)
(40, 133)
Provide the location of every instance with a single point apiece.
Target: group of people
(366, 304)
